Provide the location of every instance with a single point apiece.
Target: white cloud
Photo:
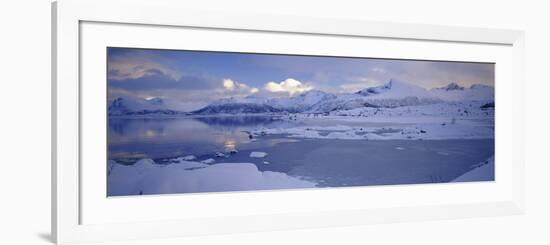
(237, 87)
(290, 86)
(228, 84)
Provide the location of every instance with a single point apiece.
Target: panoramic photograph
(182, 121)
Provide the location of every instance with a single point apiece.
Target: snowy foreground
(147, 177)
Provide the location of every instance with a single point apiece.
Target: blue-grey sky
(195, 78)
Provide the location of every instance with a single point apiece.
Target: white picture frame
(68, 17)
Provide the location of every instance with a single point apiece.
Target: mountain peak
(395, 89)
(376, 90)
(452, 86)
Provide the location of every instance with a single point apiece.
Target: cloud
(237, 87)
(156, 80)
(136, 65)
(228, 84)
(290, 86)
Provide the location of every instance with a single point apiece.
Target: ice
(258, 154)
(220, 154)
(189, 158)
(208, 161)
(184, 158)
(188, 163)
(266, 162)
(173, 178)
(400, 148)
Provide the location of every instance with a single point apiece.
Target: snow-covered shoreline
(460, 120)
(146, 177)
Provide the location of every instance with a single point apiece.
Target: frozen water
(257, 154)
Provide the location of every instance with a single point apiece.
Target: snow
(484, 171)
(208, 161)
(419, 131)
(146, 177)
(135, 106)
(258, 154)
(393, 94)
(220, 154)
(187, 164)
(396, 89)
(186, 158)
(448, 120)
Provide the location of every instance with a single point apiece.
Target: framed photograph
(170, 122)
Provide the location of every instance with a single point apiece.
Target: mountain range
(392, 94)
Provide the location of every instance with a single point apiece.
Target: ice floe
(220, 154)
(258, 154)
(184, 158)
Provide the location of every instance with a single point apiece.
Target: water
(327, 162)
(133, 139)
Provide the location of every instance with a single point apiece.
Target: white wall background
(25, 122)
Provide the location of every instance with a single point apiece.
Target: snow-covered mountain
(256, 104)
(390, 95)
(455, 92)
(140, 107)
(451, 87)
(302, 102)
(395, 89)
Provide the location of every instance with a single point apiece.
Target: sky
(196, 78)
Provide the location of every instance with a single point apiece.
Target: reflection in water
(238, 121)
(160, 138)
(230, 145)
